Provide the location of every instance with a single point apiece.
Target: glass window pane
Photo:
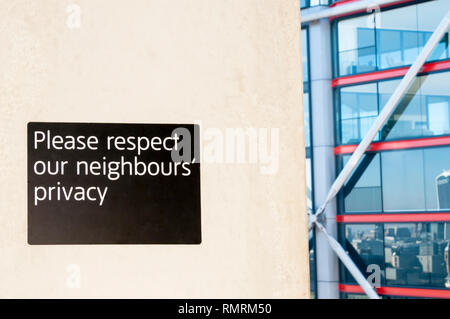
(408, 119)
(424, 110)
(429, 15)
(356, 45)
(392, 27)
(417, 254)
(389, 48)
(305, 62)
(309, 193)
(364, 244)
(359, 108)
(437, 178)
(312, 264)
(403, 181)
(390, 38)
(362, 192)
(307, 119)
(436, 100)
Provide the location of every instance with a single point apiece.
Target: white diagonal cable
(390, 106)
(348, 263)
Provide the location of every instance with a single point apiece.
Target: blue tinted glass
(403, 181)
(365, 37)
(417, 254)
(437, 178)
(306, 106)
(389, 49)
(305, 58)
(415, 180)
(401, 254)
(424, 110)
(390, 38)
(410, 46)
(312, 264)
(307, 119)
(359, 108)
(436, 103)
(364, 244)
(362, 192)
(356, 46)
(408, 119)
(429, 15)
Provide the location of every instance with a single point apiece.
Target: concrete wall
(218, 63)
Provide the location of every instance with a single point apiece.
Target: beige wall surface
(220, 63)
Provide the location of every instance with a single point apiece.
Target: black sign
(94, 183)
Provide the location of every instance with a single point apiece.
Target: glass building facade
(393, 213)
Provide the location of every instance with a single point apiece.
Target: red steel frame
(397, 291)
(394, 218)
(388, 74)
(397, 145)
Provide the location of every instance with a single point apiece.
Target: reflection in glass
(437, 178)
(428, 15)
(362, 192)
(408, 119)
(309, 181)
(356, 45)
(436, 103)
(312, 264)
(408, 254)
(415, 180)
(403, 181)
(416, 254)
(364, 244)
(397, 37)
(309, 193)
(424, 111)
(390, 39)
(359, 108)
(306, 106)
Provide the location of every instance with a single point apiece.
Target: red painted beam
(397, 145)
(394, 218)
(397, 291)
(388, 74)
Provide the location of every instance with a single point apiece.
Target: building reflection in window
(408, 254)
(415, 180)
(364, 244)
(390, 39)
(423, 112)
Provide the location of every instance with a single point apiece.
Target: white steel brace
(351, 7)
(352, 163)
